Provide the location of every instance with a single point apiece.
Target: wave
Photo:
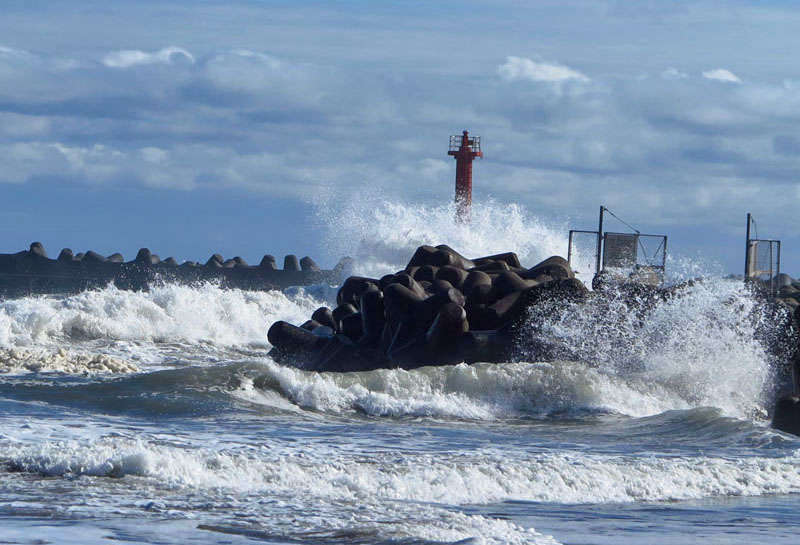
(382, 235)
(483, 475)
(487, 391)
(335, 494)
(201, 318)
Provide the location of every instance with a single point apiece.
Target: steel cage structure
(639, 255)
(762, 259)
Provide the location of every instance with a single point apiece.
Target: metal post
(599, 241)
(747, 250)
(777, 266)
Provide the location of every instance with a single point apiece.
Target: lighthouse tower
(464, 148)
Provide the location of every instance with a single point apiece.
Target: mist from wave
(382, 235)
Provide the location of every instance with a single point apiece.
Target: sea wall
(441, 309)
(33, 272)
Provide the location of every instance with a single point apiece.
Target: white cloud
(131, 57)
(521, 68)
(721, 74)
(673, 74)
(154, 155)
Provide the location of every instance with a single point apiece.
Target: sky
(194, 127)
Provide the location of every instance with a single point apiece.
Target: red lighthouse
(464, 149)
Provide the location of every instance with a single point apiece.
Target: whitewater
(158, 417)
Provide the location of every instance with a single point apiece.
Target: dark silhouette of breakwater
(441, 309)
(33, 272)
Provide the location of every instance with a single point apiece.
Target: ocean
(158, 417)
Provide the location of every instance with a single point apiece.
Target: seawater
(158, 417)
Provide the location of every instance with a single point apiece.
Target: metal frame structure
(605, 241)
(753, 269)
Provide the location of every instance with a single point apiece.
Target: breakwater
(441, 309)
(33, 272)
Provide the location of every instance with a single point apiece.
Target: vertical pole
(747, 250)
(599, 241)
(777, 266)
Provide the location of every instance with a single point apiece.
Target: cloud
(520, 68)
(721, 74)
(133, 57)
(673, 74)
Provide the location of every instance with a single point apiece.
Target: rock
(481, 294)
(426, 273)
(373, 318)
(115, 258)
(307, 265)
(310, 325)
(485, 346)
(510, 258)
(353, 288)
(507, 283)
(290, 263)
(445, 255)
(555, 267)
(474, 279)
(66, 255)
(292, 342)
(449, 325)
(171, 261)
(37, 249)
(352, 326)
(439, 286)
(144, 257)
(423, 256)
(268, 262)
(398, 301)
(456, 276)
(492, 267)
(345, 309)
(407, 281)
(420, 316)
(783, 280)
(324, 316)
(786, 416)
(215, 261)
(340, 355)
(94, 257)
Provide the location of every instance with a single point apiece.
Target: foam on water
(479, 476)
(384, 494)
(487, 391)
(132, 323)
(383, 235)
(483, 391)
(15, 360)
(698, 348)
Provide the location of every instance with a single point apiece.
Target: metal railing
(473, 141)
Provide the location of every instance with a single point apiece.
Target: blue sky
(205, 126)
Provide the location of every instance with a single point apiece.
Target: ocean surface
(158, 417)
